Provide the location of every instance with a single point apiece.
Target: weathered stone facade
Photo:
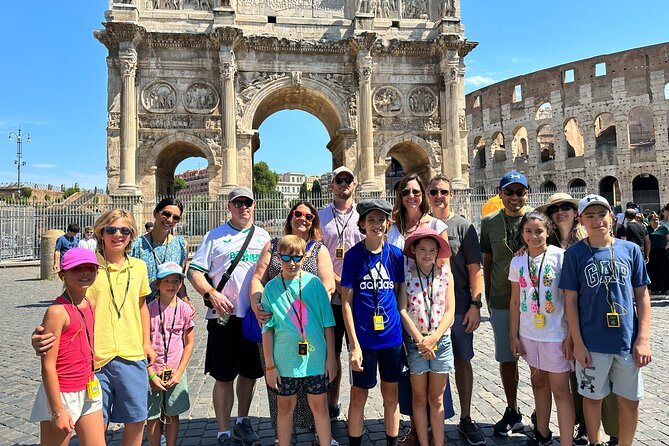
(599, 123)
(198, 77)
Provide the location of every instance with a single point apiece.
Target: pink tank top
(74, 363)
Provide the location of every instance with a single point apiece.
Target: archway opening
(641, 128)
(172, 162)
(577, 188)
(478, 153)
(645, 192)
(191, 178)
(498, 148)
(605, 132)
(406, 158)
(545, 111)
(610, 189)
(519, 144)
(548, 187)
(546, 140)
(574, 136)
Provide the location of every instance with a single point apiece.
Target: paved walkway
(24, 299)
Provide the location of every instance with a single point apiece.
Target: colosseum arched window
(577, 187)
(605, 132)
(548, 186)
(478, 153)
(609, 188)
(641, 128)
(498, 147)
(574, 136)
(645, 192)
(519, 144)
(545, 111)
(546, 140)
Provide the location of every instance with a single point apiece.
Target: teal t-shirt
(292, 315)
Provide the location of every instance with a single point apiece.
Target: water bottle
(223, 319)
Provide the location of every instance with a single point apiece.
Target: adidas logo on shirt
(379, 276)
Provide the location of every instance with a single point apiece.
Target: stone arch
(605, 131)
(163, 157)
(641, 128)
(609, 188)
(646, 192)
(478, 153)
(308, 95)
(413, 154)
(574, 136)
(544, 111)
(519, 143)
(577, 186)
(546, 140)
(497, 147)
(548, 186)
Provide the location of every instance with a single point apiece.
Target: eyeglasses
(112, 230)
(239, 203)
(287, 258)
(519, 193)
(90, 232)
(306, 215)
(407, 191)
(435, 192)
(560, 207)
(168, 215)
(342, 180)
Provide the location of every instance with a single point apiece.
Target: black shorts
(388, 360)
(229, 353)
(339, 329)
(313, 385)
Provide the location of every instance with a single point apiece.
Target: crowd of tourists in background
(403, 285)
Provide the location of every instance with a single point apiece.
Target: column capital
(128, 59)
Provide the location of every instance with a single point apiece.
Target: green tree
(264, 179)
(71, 191)
(179, 184)
(26, 192)
(316, 188)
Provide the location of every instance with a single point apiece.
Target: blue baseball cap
(513, 177)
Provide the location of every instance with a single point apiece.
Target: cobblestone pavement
(24, 299)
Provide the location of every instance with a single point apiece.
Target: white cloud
(479, 81)
(44, 166)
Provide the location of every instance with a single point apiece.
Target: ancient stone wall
(601, 122)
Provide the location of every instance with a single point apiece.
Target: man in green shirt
(500, 239)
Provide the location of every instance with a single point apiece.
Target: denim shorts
(389, 362)
(124, 385)
(313, 385)
(418, 365)
(462, 342)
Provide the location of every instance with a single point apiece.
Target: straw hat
(557, 198)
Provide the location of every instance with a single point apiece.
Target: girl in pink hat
(69, 397)
(427, 308)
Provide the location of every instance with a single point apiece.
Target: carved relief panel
(422, 101)
(159, 97)
(200, 97)
(387, 101)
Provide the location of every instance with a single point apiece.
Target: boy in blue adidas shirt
(372, 277)
(608, 310)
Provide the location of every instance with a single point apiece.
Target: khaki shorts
(77, 404)
(610, 373)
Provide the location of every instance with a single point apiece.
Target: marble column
(365, 124)
(128, 61)
(450, 126)
(229, 114)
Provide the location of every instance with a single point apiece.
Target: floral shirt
(426, 298)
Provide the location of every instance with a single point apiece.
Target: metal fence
(22, 225)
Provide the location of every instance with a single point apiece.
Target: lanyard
(513, 239)
(427, 294)
(111, 288)
(153, 251)
(168, 342)
(309, 245)
(537, 285)
(605, 281)
(378, 276)
(340, 234)
(297, 313)
(88, 334)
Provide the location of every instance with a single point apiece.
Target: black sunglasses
(560, 207)
(342, 180)
(239, 203)
(168, 215)
(435, 192)
(112, 230)
(287, 258)
(307, 216)
(407, 191)
(519, 193)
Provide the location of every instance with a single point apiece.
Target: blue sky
(53, 76)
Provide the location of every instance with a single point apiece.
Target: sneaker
(335, 411)
(471, 432)
(580, 435)
(512, 421)
(533, 420)
(227, 440)
(539, 440)
(613, 441)
(244, 433)
(317, 441)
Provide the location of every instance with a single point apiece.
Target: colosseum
(599, 124)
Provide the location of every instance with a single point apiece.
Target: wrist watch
(477, 303)
(207, 295)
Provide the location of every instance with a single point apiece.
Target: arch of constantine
(599, 124)
(198, 77)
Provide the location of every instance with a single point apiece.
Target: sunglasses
(407, 191)
(307, 216)
(435, 192)
(519, 193)
(112, 230)
(560, 207)
(342, 180)
(287, 258)
(239, 203)
(168, 215)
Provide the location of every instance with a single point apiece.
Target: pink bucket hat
(77, 256)
(444, 248)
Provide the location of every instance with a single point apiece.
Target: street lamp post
(19, 154)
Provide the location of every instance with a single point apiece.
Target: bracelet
(270, 368)
(55, 415)
(152, 376)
